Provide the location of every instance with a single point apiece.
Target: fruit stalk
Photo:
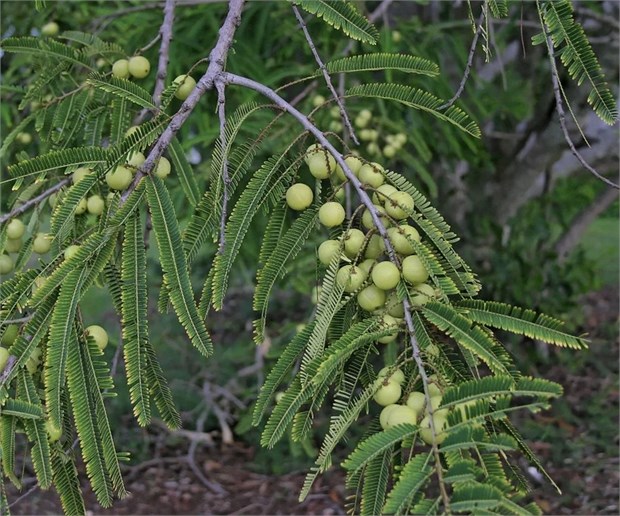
(230, 78)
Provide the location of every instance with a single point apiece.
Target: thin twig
(217, 59)
(165, 32)
(367, 202)
(6, 322)
(559, 107)
(328, 80)
(25, 495)
(221, 113)
(470, 61)
(150, 44)
(34, 201)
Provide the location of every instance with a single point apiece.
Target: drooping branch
(165, 33)
(559, 106)
(328, 80)
(23, 208)
(221, 113)
(217, 59)
(367, 202)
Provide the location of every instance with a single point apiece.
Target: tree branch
(470, 62)
(367, 202)
(559, 106)
(217, 59)
(221, 113)
(328, 80)
(165, 32)
(34, 201)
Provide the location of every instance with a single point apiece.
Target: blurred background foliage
(513, 196)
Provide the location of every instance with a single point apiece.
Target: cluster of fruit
(367, 269)
(393, 142)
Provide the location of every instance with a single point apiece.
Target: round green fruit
(79, 174)
(41, 243)
(6, 264)
(9, 335)
(4, 358)
(369, 223)
(71, 251)
(382, 193)
(163, 168)
(371, 298)
(416, 401)
(119, 179)
(12, 245)
(318, 100)
(50, 29)
(120, 69)
(99, 334)
(401, 237)
(367, 265)
(440, 423)
(135, 159)
(394, 306)
(299, 196)
(139, 67)
(331, 214)
(354, 163)
(385, 413)
(436, 401)
(374, 247)
(328, 251)
(414, 270)
(389, 151)
(371, 174)
(187, 85)
(392, 374)
(350, 277)
(15, 229)
(400, 415)
(385, 275)
(24, 138)
(421, 294)
(388, 392)
(388, 322)
(320, 162)
(353, 242)
(81, 207)
(95, 205)
(399, 205)
(433, 390)
(53, 432)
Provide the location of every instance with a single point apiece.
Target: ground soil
(588, 478)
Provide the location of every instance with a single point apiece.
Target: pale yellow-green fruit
(24, 138)
(331, 214)
(278, 397)
(299, 196)
(414, 270)
(81, 207)
(187, 85)
(4, 358)
(360, 123)
(353, 162)
(367, 265)
(433, 390)
(15, 229)
(393, 374)
(440, 424)
(95, 205)
(119, 179)
(421, 294)
(396, 36)
(371, 174)
(394, 305)
(389, 151)
(385, 275)
(400, 415)
(335, 126)
(12, 245)
(36, 284)
(373, 148)
(385, 413)
(32, 365)
(163, 168)
(99, 334)
(334, 112)
(388, 392)
(328, 251)
(365, 113)
(79, 174)
(402, 237)
(353, 242)
(382, 193)
(135, 159)
(131, 130)
(399, 205)
(340, 195)
(41, 243)
(120, 69)
(432, 350)
(374, 247)
(139, 67)
(416, 401)
(50, 29)
(6, 264)
(71, 251)
(371, 298)
(318, 100)
(350, 277)
(9, 335)
(369, 223)
(388, 322)
(100, 63)
(53, 432)
(435, 401)
(320, 162)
